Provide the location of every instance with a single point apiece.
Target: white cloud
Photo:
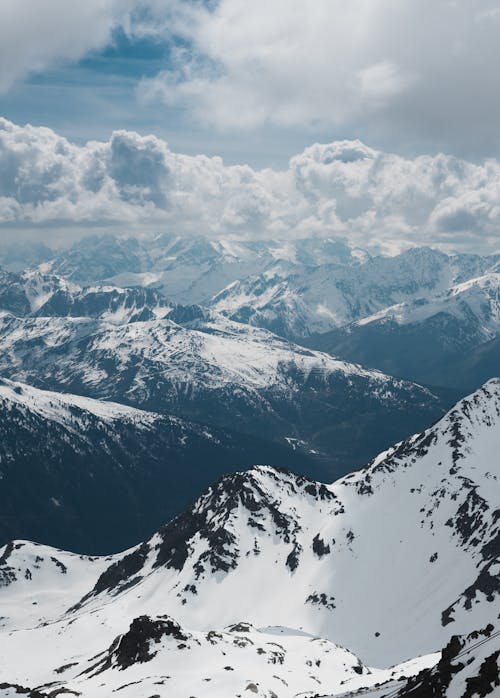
(35, 35)
(420, 73)
(423, 71)
(133, 183)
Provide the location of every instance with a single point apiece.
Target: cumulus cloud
(133, 183)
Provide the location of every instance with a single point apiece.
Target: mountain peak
(418, 510)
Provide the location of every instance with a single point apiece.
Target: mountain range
(414, 315)
(132, 346)
(99, 476)
(137, 373)
(275, 585)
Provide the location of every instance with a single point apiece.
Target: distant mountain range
(417, 315)
(273, 584)
(199, 365)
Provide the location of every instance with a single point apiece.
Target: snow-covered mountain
(275, 585)
(96, 476)
(315, 300)
(469, 666)
(200, 365)
(190, 269)
(409, 315)
(32, 293)
(419, 339)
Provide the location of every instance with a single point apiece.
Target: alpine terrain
(415, 314)
(132, 346)
(273, 584)
(94, 475)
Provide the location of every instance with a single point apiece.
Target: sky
(372, 119)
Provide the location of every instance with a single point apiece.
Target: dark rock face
(485, 583)
(487, 679)
(321, 599)
(124, 570)
(455, 657)
(292, 561)
(319, 546)
(23, 691)
(137, 645)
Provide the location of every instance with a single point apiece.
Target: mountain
(36, 294)
(97, 476)
(201, 366)
(190, 269)
(273, 584)
(469, 666)
(409, 315)
(472, 369)
(318, 299)
(18, 255)
(422, 339)
(425, 507)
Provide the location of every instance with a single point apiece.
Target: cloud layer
(419, 74)
(133, 183)
(421, 70)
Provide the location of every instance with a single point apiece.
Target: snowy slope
(262, 584)
(469, 666)
(295, 288)
(39, 583)
(156, 656)
(202, 366)
(478, 298)
(191, 269)
(418, 511)
(45, 295)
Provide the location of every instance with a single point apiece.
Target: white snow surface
(478, 298)
(57, 406)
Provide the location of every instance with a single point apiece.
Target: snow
(56, 406)
(478, 298)
(407, 288)
(207, 353)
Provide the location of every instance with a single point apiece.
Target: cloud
(134, 183)
(417, 75)
(419, 71)
(36, 35)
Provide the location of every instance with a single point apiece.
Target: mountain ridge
(94, 476)
(196, 595)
